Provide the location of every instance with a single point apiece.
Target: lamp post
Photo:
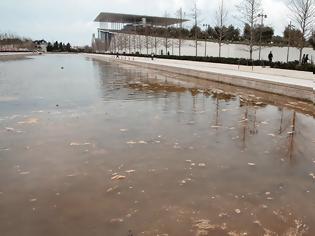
(289, 40)
(207, 27)
(262, 16)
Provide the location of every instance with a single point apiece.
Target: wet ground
(91, 148)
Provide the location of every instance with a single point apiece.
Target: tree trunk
(196, 45)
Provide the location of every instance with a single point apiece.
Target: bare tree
(180, 16)
(195, 15)
(303, 13)
(157, 42)
(248, 13)
(167, 42)
(221, 30)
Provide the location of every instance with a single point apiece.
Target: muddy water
(90, 148)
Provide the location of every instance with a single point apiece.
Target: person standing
(270, 57)
(303, 59)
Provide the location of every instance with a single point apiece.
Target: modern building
(112, 25)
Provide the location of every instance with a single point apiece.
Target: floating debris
(223, 214)
(272, 135)
(9, 129)
(142, 142)
(130, 171)
(25, 173)
(204, 226)
(111, 189)
(201, 164)
(33, 200)
(71, 175)
(79, 144)
(237, 211)
(312, 175)
(116, 220)
(118, 177)
(131, 142)
(251, 164)
(184, 181)
(123, 130)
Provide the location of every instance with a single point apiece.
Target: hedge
(293, 65)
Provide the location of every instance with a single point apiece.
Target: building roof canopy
(130, 19)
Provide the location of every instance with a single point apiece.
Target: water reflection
(214, 159)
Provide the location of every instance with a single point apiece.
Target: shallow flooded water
(92, 148)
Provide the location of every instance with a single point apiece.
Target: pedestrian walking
(306, 59)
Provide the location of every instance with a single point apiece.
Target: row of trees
(58, 47)
(302, 12)
(14, 42)
(230, 34)
(250, 13)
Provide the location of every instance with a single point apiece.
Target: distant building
(40, 45)
(114, 24)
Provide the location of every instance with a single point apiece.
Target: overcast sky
(72, 20)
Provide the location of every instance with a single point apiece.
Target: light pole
(289, 40)
(206, 33)
(262, 16)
